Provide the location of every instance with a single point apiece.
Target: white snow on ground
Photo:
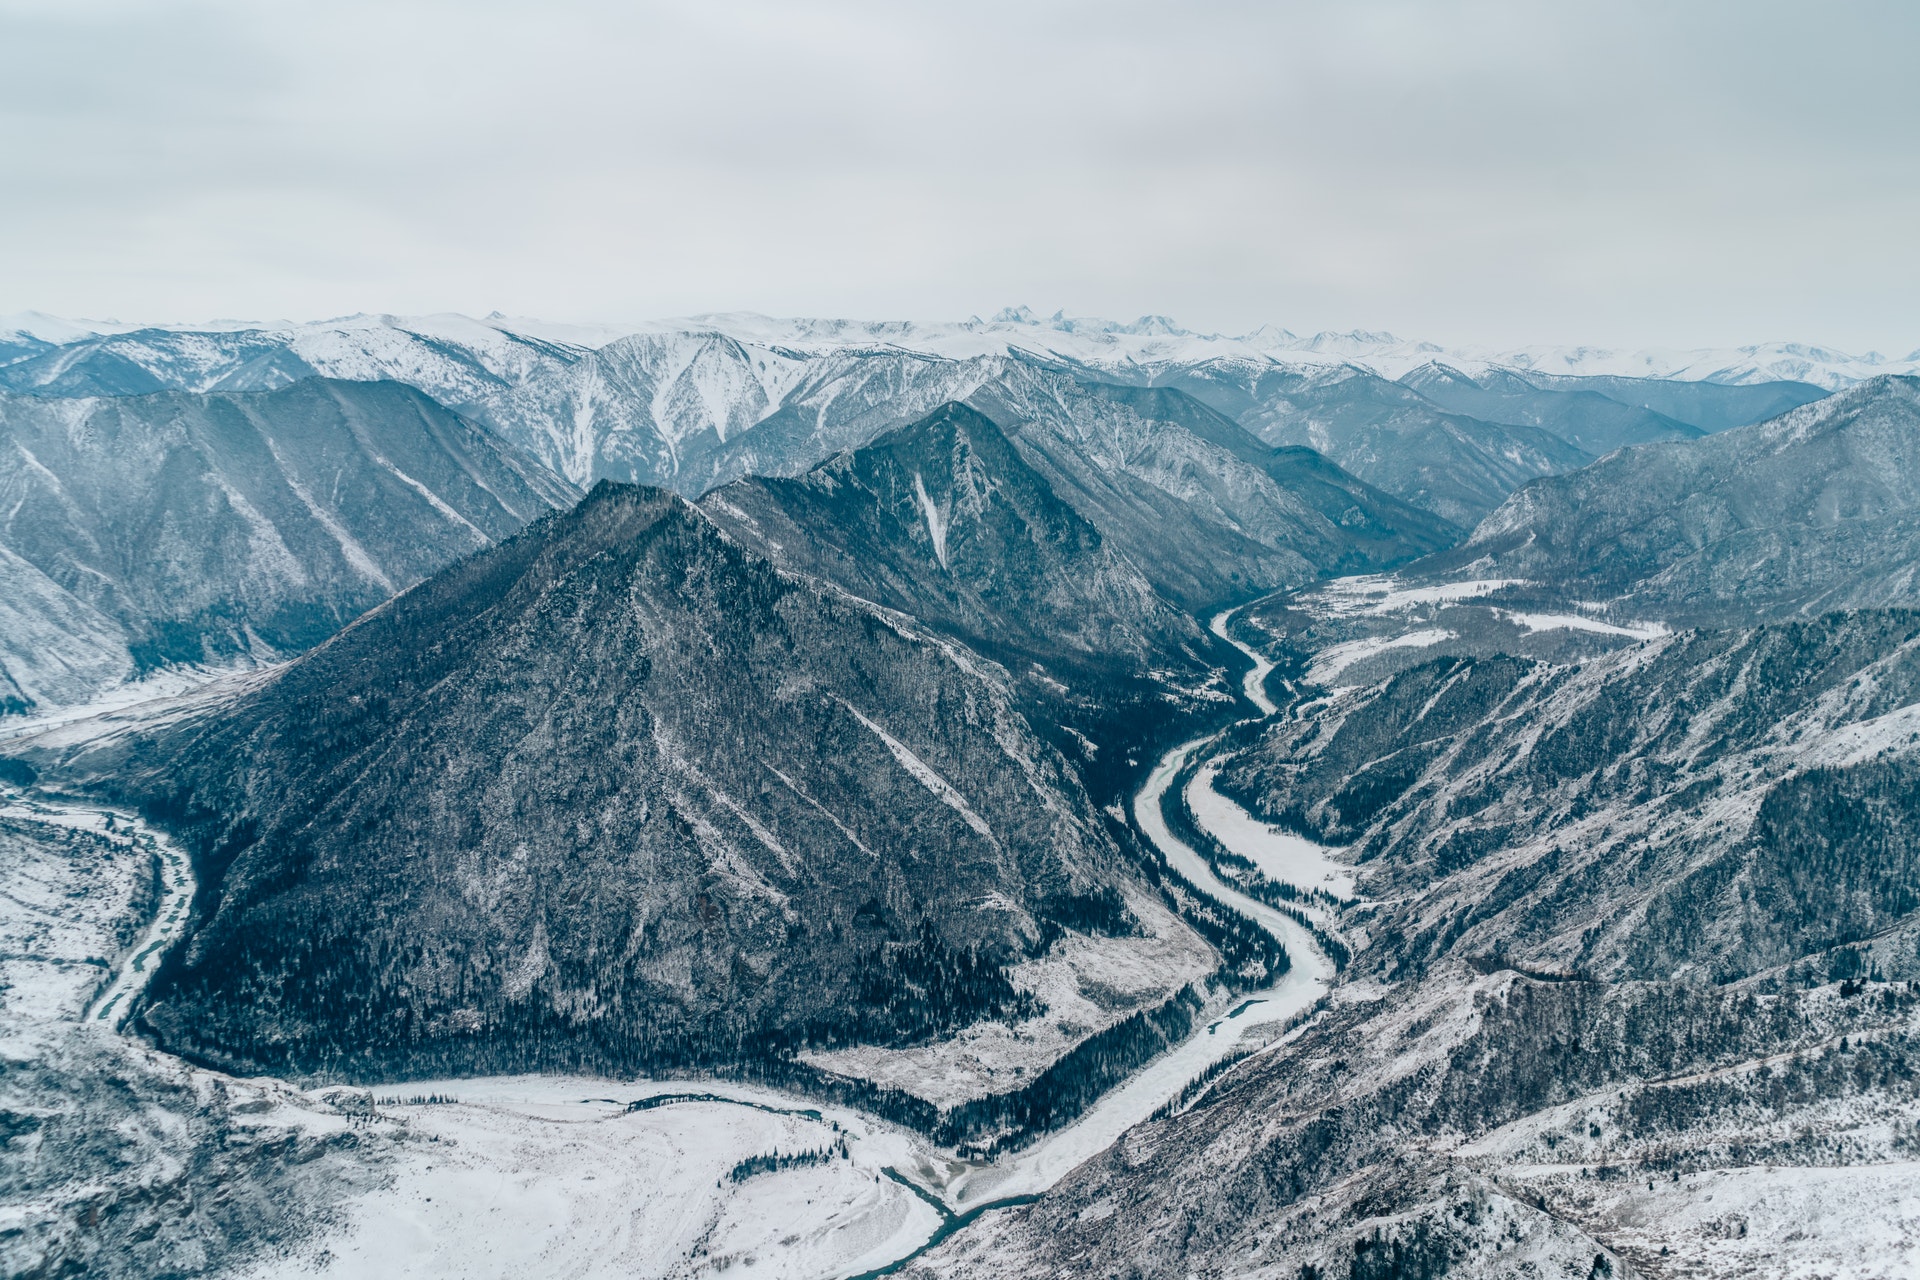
(1330, 662)
(924, 774)
(1255, 685)
(1087, 985)
(1576, 622)
(1374, 593)
(168, 922)
(137, 702)
(1281, 855)
(59, 906)
(540, 1176)
(936, 521)
(1859, 1222)
(1850, 744)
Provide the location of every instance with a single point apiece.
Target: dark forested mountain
(616, 793)
(1601, 414)
(834, 760)
(1643, 930)
(1710, 406)
(1593, 422)
(175, 527)
(1817, 509)
(945, 520)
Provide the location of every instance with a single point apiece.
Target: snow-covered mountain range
(1146, 342)
(879, 728)
(693, 403)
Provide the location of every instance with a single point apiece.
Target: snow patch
(1330, 662)
(1280, 855)
(936, 522)
(924, 773)
(1576, 622)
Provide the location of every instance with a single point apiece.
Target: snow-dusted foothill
(1631, 989)
(118, 1161)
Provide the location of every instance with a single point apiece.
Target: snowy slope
(139, 532)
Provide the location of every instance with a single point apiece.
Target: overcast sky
(1615, 173)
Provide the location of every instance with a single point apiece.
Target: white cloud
(1617, 173)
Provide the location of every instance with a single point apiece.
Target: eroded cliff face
(616, 794)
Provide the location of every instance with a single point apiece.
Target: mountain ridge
(202, 528)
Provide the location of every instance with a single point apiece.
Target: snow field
(553, 1176)
(1330, 662)
(1577, 622)
(1859, 1222)
(1376, 594)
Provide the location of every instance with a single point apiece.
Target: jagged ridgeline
(616, 794)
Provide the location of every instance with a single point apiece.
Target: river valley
(581, 1176)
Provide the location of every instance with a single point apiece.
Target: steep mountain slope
(648, 408)
(944, 520)
(790, 820)
(1630, 985)
(1595, 423)
(1389, 435)
(1813, 510)
(1710, 406)
(843, 399)
(669, 403)
(175, 527)
(1205, 510)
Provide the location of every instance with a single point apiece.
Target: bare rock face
(618, 793)
(173, 527)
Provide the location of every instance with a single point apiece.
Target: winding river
(958, 1191)
(1020, 1177)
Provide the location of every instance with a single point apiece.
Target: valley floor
(584, 1177)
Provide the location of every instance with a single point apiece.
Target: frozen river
(558, 1175)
